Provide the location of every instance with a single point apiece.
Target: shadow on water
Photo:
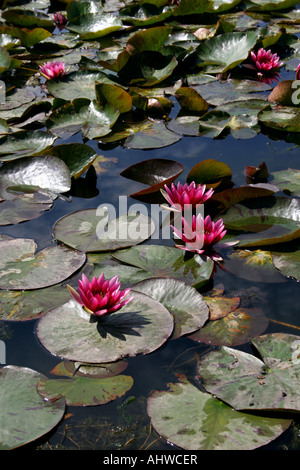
(120, 325)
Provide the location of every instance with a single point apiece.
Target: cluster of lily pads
(114, 72)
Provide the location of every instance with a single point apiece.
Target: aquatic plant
(100, 296)
(186, 195)
(51, 70)
(266, 65)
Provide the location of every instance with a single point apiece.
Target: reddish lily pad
(234, 329)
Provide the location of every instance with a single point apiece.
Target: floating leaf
(220, 306)
(210, 172)
(78, 369)
(189, 99)
(140, 327)
(91, 26)
(287, 262)
(154, 136)
(253, 265)
(166, 261)
(95, 230)
(246, 382)
(194, 420)
(23, 268)
(151, 39)
(155, 172)
(47, 173)
(285, 118)
(288, 180)
(19, 207)
(24, 415)
(268, 222)
(226, 50)
(20, 305)
(184, 302)
(234, 329)
(85, 391)
(24, 143)
(78, 157)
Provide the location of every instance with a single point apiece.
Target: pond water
(123, 423)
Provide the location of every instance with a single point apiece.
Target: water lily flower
(201, 236)
(51, 70)
(186, 195)
(100, 296)
(266, 65)
(60, 20)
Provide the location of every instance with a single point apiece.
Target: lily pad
(92, 26)
(22, 305)
(46, 173)
(285, 118)
(155, 135)
(85, 391)
(91, 230)
(24, 415)
(23, 268)
(77, 84)
(155, 172)
(166, 261)
(253, 265)
(78, 369)
(236, 328)
(24, 143)
(287, 262)
(247, 382)
(194, 420)
(268, 222)
(184, 302)
(210, 172)
(220, 306)
(78, 157)
(226, 50)
(288, 180)
(20, 206)
(140, 327)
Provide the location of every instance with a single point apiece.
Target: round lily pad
(167, 261)
(24, 143)
(194, 420)
(248, 383)
(24, 415)
(184, 302)
(92, 230)
(22, 268)
(140, 327)
(287, 262)
(71, 369)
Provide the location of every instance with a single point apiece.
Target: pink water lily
(201, 236)
(266, 65)
(54, 69)
(60, 20)
(100, 296)
(186, 195)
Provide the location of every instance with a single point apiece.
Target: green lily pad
(24, 143)
(155, 135)
(288, 180)
(91, 230)
(210, 172)
(88, 116)
(246, 382)
(24, 415)
(91, 21)
(46, 173)
(194, 420)
(284, 118)
(23, 268)
(4, 59)
(78, 84)
(226, 51)
(189, 99)
(151, 39)
(140, 327)
(166, 261)
(267, 5)
(266, 222)
(20, 305)
(115, 95)
(287, 262)
(30, 37)
(85, 391)
(184, 302)
(236, 328)
(78, 157)
(220, 306)
(20, 206)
